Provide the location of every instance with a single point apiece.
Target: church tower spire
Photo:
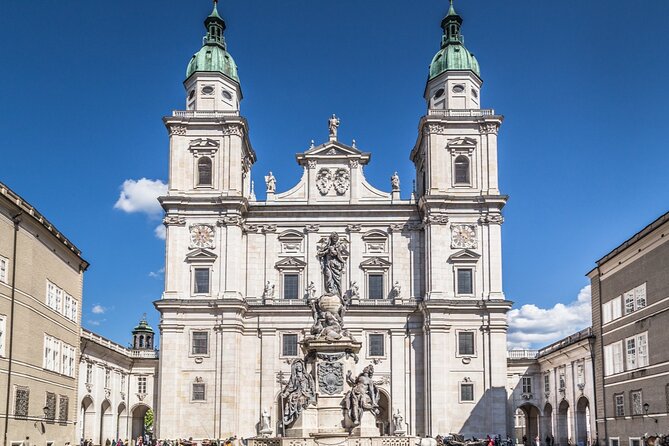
(212, 82)
(454, 80)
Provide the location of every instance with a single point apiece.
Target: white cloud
(94, 323)
(98, 309)
(156, 274)
(141, 196)
(160, 232)
(534, 327)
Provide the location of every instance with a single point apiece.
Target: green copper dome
(143, 326)
(213, 56)
(453, 55)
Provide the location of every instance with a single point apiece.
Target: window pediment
(461, 143)
(375, 263)
(290, 263)
(464, 256)
(203, 146)
(201, 256)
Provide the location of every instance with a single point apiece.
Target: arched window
(141, 342)
(204, 171)
(462, 170)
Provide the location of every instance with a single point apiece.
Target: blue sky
(583, 150)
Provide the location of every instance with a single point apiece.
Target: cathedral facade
(421, 276)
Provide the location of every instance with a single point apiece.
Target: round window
(208, 89)
(227, 95)
(439, 93)
(458, 88)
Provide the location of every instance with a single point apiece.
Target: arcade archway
(562, 437)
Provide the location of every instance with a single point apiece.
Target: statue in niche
(364, 395)
(266, 424)
(333, 126)
(395, 182)
(270, 182)
(298, 394)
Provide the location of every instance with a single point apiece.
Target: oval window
(208, 89)
(458, 88)
(475, 93)
(439, 93)
(227, 95)
(191, 95)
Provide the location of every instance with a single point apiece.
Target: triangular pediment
(333, 150)
(464, 255)
(290, 262)
(201, 255)
(203, 143)
(462, 142)
(375, 262)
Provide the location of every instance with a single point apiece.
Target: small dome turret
(453, 56)
(213, 56)
(142, 336)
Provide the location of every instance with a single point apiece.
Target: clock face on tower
(202, 236)
(463, 236)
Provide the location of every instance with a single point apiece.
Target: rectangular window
(377, 345)
(21, 401)
(563, 382)
(47, 364)
(3, 335)
(289, 347)
(75, 310)
(199, 393)
(547, 383)
(640, 296)
(291, 286)
(50, 294)
(201, 279)
(629, 302)
(50, 412)
(614, 442)
(66, 359)
(466, 343)
(89, 373)
(122, 382)
(67, 306)
(63, 408)
(619, 402)
(637, 402)
(375, 286)
(107, 378)
(527, 384)
(613, 358)
(635, 441)
(200, 344)
(141, 385)
(4, 266)
(637, 351)
(56, 356)
(580, 374)
(616, 308)
(607, 312)
(59, 300)
(465, 281)
(466, 392)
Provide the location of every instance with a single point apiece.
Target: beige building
(630, 299)
(41, 278)
(117, 385)
(551, 391)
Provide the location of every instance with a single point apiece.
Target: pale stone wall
(42, 254)
(113, 409)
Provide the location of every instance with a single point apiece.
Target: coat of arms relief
(327, 179)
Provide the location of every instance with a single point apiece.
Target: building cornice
(24, 208)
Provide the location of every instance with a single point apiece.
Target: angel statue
(364, 395)
(298, 394)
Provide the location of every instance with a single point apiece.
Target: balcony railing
(204, 113)
(464, 113)
(145, 354)
(522, 354)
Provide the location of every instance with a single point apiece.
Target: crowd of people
(146, 440)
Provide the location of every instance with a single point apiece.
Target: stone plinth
(330, 360)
